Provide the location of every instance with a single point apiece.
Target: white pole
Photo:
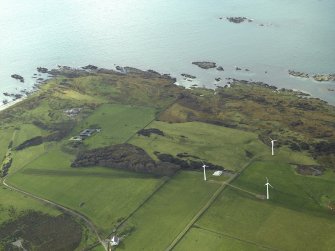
(204, 166)
(272, 142)
(267, 191)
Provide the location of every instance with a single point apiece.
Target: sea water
(168, 35)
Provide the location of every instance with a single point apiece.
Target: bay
(168, 36)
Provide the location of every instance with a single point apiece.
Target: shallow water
(168, 35)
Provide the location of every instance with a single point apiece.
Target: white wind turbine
(267, 184)
(272, 145)
(204, 167)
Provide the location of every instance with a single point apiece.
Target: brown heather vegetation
(300, 122)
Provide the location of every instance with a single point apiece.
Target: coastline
(9, 104)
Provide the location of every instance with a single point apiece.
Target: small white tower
(204, 167)
(272, 146)
(267, 184)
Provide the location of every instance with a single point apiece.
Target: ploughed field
(137, 171)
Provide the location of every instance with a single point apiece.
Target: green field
(99, 193)
(19, 202)
(5, 138)
(219, 145)
(266, 224)
(165, 215)
(294, 217)
(228, 127)
(201, 239)
(117, 122)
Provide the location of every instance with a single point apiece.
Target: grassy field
(298, 192)
(12, 199)
(294, 217)
(161, 219)
(266, 224)
(118, 123)
(201, 239)
(5, 138)
(219, 145)
(96, 192)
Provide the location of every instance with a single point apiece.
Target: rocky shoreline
(71, 72)
(317, 77)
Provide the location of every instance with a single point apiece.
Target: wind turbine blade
(270, 185)
(270, 139)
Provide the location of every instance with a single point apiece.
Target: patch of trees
(41, 232)
(5, 167)
(324, 148)
(30, 142)
(186, 164)
(148, 132)
(57, 135)
(123, 156)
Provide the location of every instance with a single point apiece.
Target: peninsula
(98, 155)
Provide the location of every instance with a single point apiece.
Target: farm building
(217, 173)
(88, 132)
(115, 241)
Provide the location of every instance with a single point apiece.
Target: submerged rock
(298, 74)
(18, 77)
(238, 20)
(324, 77)
(90, 67)
(188, 75)
(205, 64)
(42, 70)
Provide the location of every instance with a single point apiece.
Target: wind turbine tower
(272, 146)
(204, 167)
(267, 184)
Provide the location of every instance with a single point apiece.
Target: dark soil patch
(313, 170)
(41, 232)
